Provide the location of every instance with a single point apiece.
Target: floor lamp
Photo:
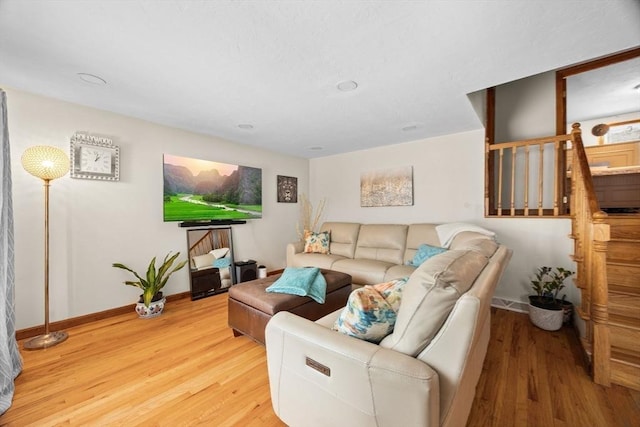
(46, 163)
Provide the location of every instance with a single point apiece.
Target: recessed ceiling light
(347, 86)
(315, 148)
(409, 128)
(245, 126)
(92, 79)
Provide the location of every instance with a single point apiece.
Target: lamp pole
(46, 163)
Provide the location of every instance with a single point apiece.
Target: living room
(94, 224)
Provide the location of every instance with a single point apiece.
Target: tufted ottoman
(251, 307)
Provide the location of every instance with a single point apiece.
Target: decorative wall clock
(94, 157)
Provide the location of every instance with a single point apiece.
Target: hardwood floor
(185, 368)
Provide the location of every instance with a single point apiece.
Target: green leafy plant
(548, 282)
(155, 279)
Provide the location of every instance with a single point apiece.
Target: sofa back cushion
(429, 296)
(419, 234)
(382, 242)
(343, 237)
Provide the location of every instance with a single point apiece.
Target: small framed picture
(287, 189)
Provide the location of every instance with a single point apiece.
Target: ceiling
(604, 92)
(265, 73)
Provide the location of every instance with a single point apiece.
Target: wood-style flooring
(185, 368)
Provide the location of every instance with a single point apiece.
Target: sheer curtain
(10, 361)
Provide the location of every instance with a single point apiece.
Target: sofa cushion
(429, 296)
(314, 260)
(399, 271)
(382, 242)
(418, 234)
(317, 243)
(370, 313)
(363, 271)
(343, 237)
(203, 261)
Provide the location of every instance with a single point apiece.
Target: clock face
(97, 160)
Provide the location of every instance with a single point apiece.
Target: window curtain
(10, 361)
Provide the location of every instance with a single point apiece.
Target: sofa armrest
(292, 249)
(319, 377)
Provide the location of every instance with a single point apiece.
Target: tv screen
(202, 190)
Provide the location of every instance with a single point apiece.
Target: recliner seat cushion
(315, 260)
(429, 296)
(363, 271)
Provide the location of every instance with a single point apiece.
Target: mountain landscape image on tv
(203, 190)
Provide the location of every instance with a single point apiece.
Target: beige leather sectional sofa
(375, 253)
(426, 371)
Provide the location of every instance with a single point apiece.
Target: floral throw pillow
(317, 243)
(370, 313)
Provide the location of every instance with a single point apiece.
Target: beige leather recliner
(423, 374)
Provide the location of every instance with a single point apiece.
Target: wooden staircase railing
(591, 233)
(520, 184)
(212, 239)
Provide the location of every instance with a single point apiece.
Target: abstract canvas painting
(387, 187)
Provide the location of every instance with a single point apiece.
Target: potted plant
(546, 311)
(151, 302)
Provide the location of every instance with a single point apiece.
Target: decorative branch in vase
(308, 221)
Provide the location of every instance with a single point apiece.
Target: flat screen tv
(202, 190)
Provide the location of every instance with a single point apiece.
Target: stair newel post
(600, 301)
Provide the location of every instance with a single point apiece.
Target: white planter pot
(155, 309)
(549, 320)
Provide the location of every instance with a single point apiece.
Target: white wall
(526, 108)
(448, 180)
(94, 224)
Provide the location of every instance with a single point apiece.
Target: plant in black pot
(546, 311)
(151, 301)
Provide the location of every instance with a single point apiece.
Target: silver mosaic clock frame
(83, 146)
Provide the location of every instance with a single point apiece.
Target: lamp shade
(45, 162)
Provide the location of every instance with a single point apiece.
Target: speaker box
(246, 271)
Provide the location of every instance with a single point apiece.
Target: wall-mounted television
(203, 190)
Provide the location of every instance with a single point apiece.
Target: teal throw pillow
(222, 262)
(424, 253)
(295, 281)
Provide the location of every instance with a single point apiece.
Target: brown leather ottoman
(251, 307)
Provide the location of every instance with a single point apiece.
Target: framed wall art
(387, 187)
(287, 189)
(94, 157)
(628, 131)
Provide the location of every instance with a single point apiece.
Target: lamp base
(46, 340)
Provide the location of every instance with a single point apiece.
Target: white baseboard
(519, 306)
